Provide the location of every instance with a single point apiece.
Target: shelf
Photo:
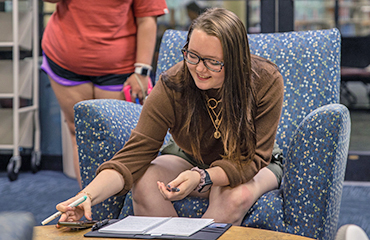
(25, 30)
(19, 126)
(323, 22)
(25, 78)
(25, 129)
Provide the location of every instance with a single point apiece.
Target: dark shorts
(275, 166)
(110, 82)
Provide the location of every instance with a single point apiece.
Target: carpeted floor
(355, 206)
(39, 193)
(358, 165)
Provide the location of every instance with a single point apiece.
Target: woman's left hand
(180, 187)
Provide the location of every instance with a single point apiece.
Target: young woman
(222, 106)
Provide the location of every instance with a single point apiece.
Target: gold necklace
(216, 122)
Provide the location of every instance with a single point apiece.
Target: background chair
(313, 132)
(16, 225)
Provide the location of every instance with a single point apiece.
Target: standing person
(222, 106)
(92, 48)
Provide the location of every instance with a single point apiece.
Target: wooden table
(234, 233)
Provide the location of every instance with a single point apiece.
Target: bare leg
(67, 97)
(102, 94)
(231, 204)
(147, 200)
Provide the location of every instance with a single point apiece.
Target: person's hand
(180, 187)
(71, 214)
(138, 90)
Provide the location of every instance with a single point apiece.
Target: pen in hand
(174, 189)
(57, 214)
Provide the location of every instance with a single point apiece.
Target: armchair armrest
(103, 126)
(315, 171)
(308, 202)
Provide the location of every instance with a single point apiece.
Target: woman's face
(205, 46)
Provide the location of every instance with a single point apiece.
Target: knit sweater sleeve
(156, 117)
(270, 90)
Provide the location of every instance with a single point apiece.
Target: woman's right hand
(186, 182)
(71, 214)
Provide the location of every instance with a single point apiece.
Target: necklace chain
(212, 104)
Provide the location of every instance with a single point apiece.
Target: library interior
(35, 148)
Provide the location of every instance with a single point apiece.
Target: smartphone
(78, 224)
(127, 91)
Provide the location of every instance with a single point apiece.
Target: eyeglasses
(194, 59)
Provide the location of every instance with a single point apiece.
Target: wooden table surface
(234, 233)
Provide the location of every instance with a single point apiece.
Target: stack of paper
(156, 226)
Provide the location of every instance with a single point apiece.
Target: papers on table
(157, 226)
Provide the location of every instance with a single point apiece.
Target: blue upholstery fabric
(102, 128)
(313, 132)
(16, 225)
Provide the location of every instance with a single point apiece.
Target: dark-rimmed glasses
(194, 59)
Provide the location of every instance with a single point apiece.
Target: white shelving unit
(19, 79)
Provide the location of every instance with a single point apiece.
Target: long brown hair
(237, 93)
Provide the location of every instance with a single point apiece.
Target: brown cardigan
(162, 112)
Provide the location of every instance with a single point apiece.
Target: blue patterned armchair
(313, 132)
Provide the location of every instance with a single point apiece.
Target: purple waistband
(65, 82)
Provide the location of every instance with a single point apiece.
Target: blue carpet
(36, 193)
(357, 162)
(39, 193)
(355, 205)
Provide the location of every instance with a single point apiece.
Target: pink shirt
(95, 37)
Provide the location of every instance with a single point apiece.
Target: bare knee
(145, 189)
(240, 199)
(164, 168)
(69, 123)
(231, 204)
(144, 185)
(147, 199)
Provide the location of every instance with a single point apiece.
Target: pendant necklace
(212, 104)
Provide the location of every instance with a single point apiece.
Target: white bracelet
(202, 177)
(143, 65)
(143, 69)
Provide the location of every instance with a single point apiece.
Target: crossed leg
(225, 204)
(231, 204)
(147, 200)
